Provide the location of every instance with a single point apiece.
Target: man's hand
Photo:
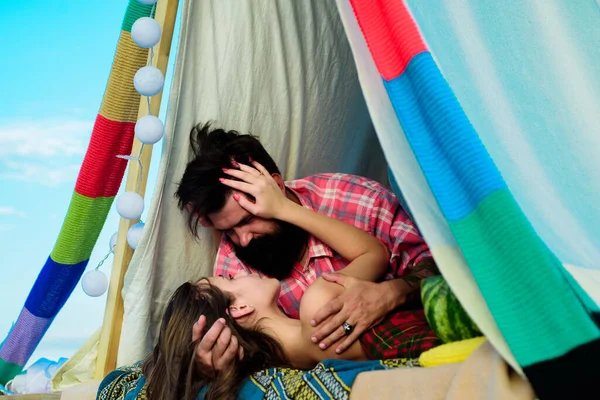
(218, 347)
(363, 304)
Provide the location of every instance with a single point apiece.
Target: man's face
(270, 246)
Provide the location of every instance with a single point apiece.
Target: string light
(148, 81)
(146, 32)
(94, 283)
(112, 244)
(135, 234)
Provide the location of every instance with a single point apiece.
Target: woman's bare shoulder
(316, 296)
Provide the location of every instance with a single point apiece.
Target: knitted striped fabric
(548, 321)
(97, 184)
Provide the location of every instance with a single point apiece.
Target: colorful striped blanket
(330, 379)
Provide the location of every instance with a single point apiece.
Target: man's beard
(275, 254)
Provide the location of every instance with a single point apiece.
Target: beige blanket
(483, 375)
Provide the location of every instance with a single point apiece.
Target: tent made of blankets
(485, 113)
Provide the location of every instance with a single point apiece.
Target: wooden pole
(166, 12)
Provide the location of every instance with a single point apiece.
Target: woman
(247, 304)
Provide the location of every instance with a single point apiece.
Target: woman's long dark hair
(171, 370)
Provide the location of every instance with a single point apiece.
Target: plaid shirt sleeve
(392, 225)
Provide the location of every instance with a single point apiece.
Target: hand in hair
(217, 349)
(200, 191)
(172, 371)
(269, 198)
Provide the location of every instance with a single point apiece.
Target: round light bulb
(146, 32)
(94, 283)
(149, 129)
(148, 81)
(130, 205)
(135, 234)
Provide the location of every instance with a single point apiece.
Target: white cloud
(45, 138)
(37, 173)
(11, 211)
(48, 152)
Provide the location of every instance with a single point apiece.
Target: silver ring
(347, 328)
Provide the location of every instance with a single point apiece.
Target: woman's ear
(240, 311)
(279, 181)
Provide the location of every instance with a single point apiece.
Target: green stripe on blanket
(331, 379)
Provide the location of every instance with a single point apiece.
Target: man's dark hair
(200, 190)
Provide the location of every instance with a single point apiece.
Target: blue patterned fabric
(330, 379)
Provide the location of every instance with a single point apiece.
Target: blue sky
(56, 60)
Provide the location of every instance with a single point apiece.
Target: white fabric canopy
(279, 69)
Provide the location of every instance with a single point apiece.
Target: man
(286, 252)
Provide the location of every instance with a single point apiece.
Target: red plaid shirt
(355, 200)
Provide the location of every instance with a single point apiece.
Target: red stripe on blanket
(102, 172)
(391, 34)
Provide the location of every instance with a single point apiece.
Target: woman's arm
(369, 258)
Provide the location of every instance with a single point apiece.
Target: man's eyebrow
(243, 221)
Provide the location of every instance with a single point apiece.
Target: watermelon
(445, 314)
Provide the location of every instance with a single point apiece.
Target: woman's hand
(217, 348)
(269, 199)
